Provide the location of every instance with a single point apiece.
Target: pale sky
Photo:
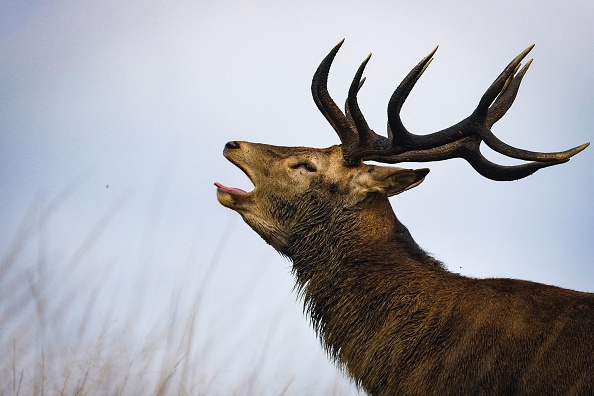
(116, 113)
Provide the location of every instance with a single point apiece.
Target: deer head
(298, 186)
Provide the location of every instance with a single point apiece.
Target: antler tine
(499, 84)
(497, 172)
(395, 126)
(366, 136)
(346, 103)
(319, 90)
(503, 148)
(352, 106)
(506, 97)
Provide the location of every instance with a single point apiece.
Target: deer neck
(342, 278)
(346, 240)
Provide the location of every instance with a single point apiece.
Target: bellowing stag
(392, 315)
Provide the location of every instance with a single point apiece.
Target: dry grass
(50, 343)
(58, 336)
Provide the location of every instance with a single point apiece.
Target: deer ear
(391, 180)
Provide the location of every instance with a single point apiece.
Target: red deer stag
(387, 311)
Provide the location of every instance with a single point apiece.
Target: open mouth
(230, 190)
(234, 190)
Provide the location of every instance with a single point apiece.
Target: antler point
(433, 51)
(582, 147)
(527, 50)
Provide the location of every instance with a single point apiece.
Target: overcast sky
(116, 113)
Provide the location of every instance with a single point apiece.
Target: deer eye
(305, 165)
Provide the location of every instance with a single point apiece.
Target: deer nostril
(231, 145)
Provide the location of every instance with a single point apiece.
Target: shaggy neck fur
(353, 286)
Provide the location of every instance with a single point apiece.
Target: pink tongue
(231, 190)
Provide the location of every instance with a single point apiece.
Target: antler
(461, 140)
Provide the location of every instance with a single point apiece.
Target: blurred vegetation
(64, 329)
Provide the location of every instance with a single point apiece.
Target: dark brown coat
(391, 314)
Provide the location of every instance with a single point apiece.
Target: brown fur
(388, 312)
